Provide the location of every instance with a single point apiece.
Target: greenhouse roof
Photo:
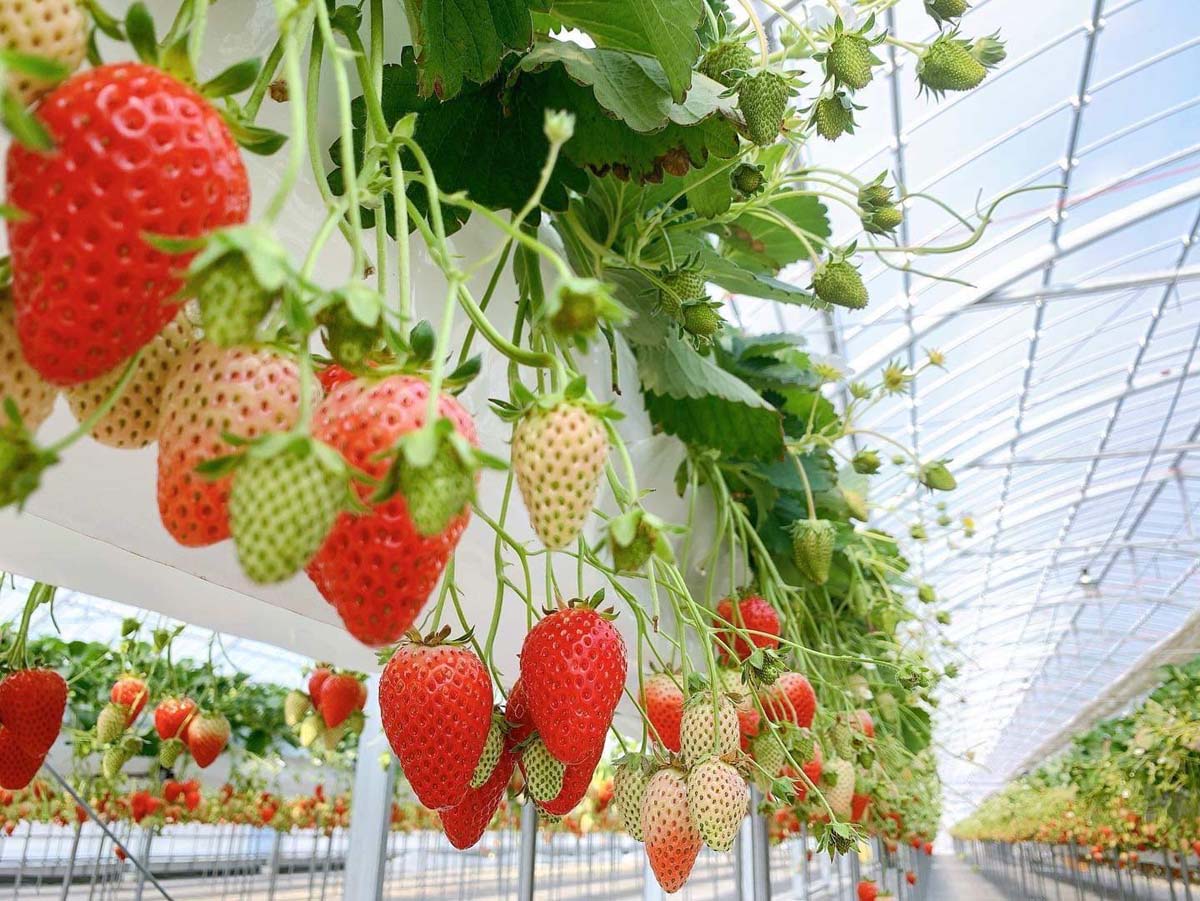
(1068, 406)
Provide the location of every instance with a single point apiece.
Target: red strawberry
(465, 822)
(17, 768)
(376, 569)
(191, 796)
(928, 849)
(910, 877)
(172, 715)
(315, 683)
(32, 702)
(858, 807)
(672, 840)
(137, 153)
(172, 790)
(867, 890)
(752, 614)
(577, 777)
(662, 697)
(206, 736)
(516, 714)
(573, 671)
(213, 390)
(864, 722)
(790, 698)
(435, 699)
(341, 695)
(131, 693)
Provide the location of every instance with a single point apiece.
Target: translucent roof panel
(1070, 407)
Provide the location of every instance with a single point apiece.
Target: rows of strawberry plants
(1129, 785)
(630, 184)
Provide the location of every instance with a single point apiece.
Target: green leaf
(464, 40)
(733, 277)
(233, 80)
(664, 29)
(633, 88)
(25, 128)
(757, 240)
(139, 26)
(255, 138)
(688, 396)
(39, 67)
(711, 196)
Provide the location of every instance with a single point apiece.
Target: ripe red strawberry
(754, 615)
(206, 736)
(341, 695)
(516, 714)
(573, 671)
(911, 878)
(17, 768)
(790, 698)
(376, 569)
(672, 840)
(172, 715)
(465, 822)
(663, 699)
(131, 693)
(928, 848)
(32, 702)
(867, 890)
(576, 779)
(858, 807)
(212, 391)
(316, 682)
(89, 290)
(812, 769)
(435, 699)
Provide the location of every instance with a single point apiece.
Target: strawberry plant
(630, 185)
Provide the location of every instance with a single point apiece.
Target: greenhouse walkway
(952, 879)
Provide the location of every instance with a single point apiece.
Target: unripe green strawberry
(763, 100)
(812, 548)
(110, 724)
(866, 462)
(768, 752)
(747, 179)
(849, 60)
(348, 340)
(312, 728)
(281, 507)
(493, 747)
(888, 708)
(926, 593)
(708, 731)
(883, 221)
(949, 65)
(718, 799)
(875, 195)
(296, 707)
(838, 282)
(701, 320)
(558, 456)
(543, 773)
(630, 558)
(231, 301)
(629, 789)
(678, 287)
(724, 58)
(114, 758)
(833, 117)
(842, 739)
(944, 11)
(332, 736)
(437, 493)
(839, 796)
(169, 751)
(936, 477)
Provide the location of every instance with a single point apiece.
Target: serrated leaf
(634, 88)
(465, 40)
(664, 29)
(688, 396)
(758, 241)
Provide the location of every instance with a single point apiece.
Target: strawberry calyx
(574, 393)
(592, 603)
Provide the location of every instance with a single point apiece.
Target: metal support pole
(273, 874)
(370, 819)
(1170, 873)
(104, 827)
(743, 862)
(760, 849)
(69, 875)
(805, 883)
(140, 888)
(528, 852)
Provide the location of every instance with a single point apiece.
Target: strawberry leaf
(688, 396)
(761, 240)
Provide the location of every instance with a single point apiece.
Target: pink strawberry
(662, 697)
(206, 736)
(214, 391)
(435, 698)
(376, 568)
(672, 839)
(573, 672)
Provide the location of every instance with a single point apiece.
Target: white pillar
(527, 851)
(371, 813)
